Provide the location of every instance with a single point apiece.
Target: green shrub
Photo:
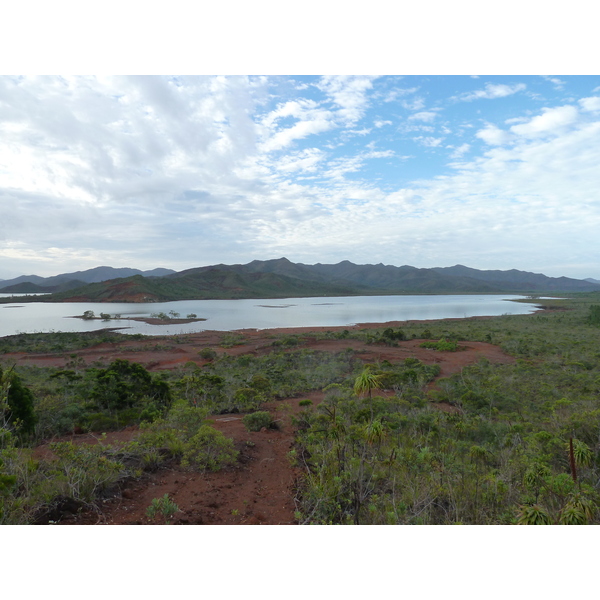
(207, 354)
(163, 506)
(441, 346)
(287, 341)
(16, 403)
(85, 470)
(257, 420)
(594, 316)
(232, 339)
(247, 398)
(209, 450)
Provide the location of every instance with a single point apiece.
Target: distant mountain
(521, 281)
(591, 280)
(203, 283)
(280, 278)
(67, 281)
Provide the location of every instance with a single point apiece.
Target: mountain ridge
(66, 281)
(280, 278)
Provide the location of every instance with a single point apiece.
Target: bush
(257, 420)
(163, 506)
(594, 316)
(207, 354)
(441, 346)
(247, 398)
(85, 470)
(209, 449)
(390, 335)
(287, 341)
(16, 403)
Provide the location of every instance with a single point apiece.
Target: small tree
(16, 404)
(365, 383)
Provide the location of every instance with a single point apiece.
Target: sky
(419, 168)
(493, 172)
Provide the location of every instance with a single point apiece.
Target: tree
(16, 403)
(124, 384)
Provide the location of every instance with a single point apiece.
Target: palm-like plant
(365, 383)
(533, 515)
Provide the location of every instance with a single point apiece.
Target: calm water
(227, 315)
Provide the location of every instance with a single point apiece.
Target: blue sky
(490, 171)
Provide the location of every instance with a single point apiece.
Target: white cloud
(379, 124)
(306, 160)
(415, 104)
(556, 82)
(349, 93)
(396, 93)
(379, 154)
(429, 141)
(462, 149)
(591, 104)
(493, 135)
(300, 130)
(426, 116)
(492, 91)
(551, 121)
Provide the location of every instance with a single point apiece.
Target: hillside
(281, 278)
(521, 281)
(27, 284)
(205, 284)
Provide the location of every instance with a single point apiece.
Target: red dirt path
(259, 488)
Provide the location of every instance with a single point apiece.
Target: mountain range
(30, 284)
(280, 278)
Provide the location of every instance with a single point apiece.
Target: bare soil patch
(259, 489)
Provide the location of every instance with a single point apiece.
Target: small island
(160, 318)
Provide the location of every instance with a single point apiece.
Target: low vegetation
(514, 444)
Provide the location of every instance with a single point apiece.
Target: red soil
(259, 488)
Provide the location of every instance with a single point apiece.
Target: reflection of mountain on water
(231, 315)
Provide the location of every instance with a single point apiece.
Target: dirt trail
(259, 488)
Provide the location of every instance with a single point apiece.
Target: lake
(228, 315)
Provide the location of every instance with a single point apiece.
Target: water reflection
(227, 315)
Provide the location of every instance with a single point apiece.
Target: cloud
(396, 93)
(493, 135)
(307, 160)
(556, 82)
(184, 171)
(462, 149)
(491, 91)
(591, 104)
(349, 92)
(429, 141)
(426, 116)
(551, 121)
